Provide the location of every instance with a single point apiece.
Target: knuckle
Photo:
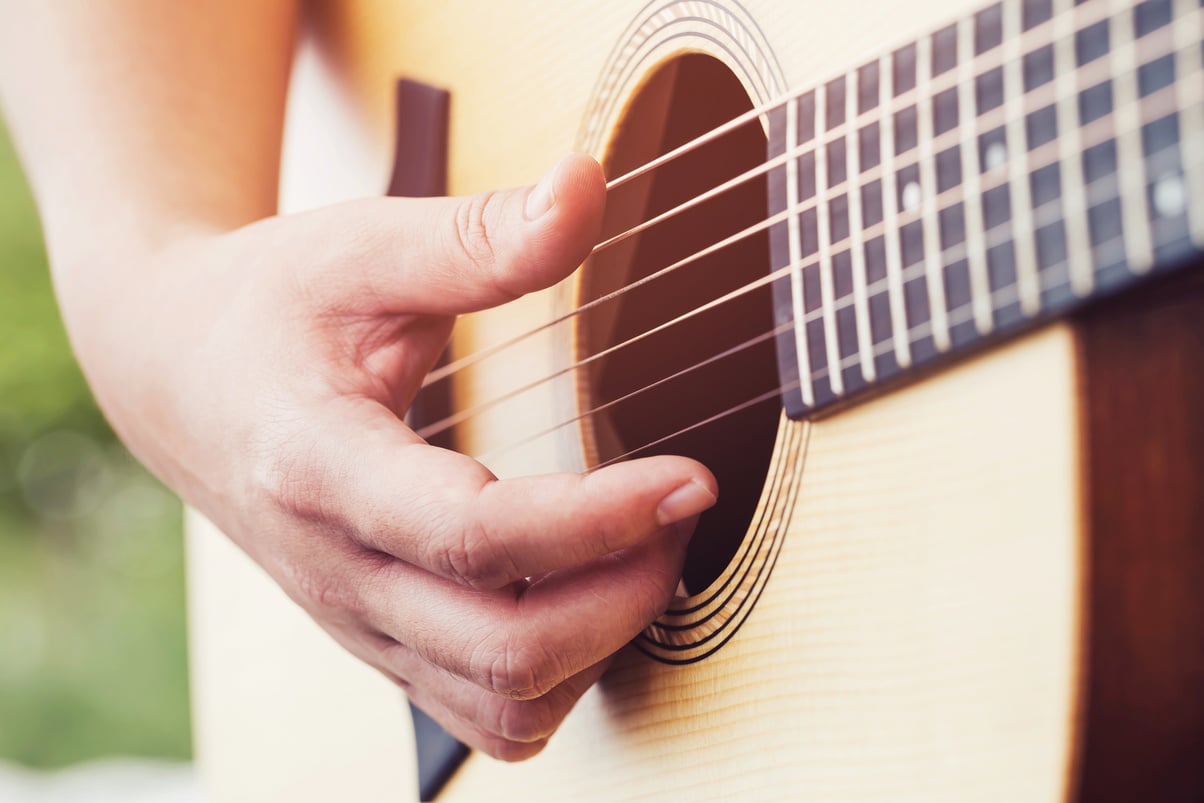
(472, 231)
(320, 590)
(474, 556)
(477, 239)
(465, 555)
(517, 668)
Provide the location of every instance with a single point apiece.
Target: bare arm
(139, 123)
(137, 117)
(262, 364)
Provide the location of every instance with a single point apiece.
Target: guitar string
(963, 313)
(601, 408)
(980, 63)
(1045, 28)
(1099, 129)
(1047, 213)
(878, 113)
(1042, 216)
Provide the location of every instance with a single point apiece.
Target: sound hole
(646, 413)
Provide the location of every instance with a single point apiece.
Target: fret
(980, 289)
(891, 247)
(795, 256)
(1015, 153)
(925, 65)
(827, 301)
(1127, 119)
(856, 245)
(1069, 150)
(1189, 44)
(1000, 169)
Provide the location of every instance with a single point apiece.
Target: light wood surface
(920, 637)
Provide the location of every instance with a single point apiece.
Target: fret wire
(1187, 56)
(761, 112)
(1070, 165)
(1154, 106)
(940, 143)
(1088, 75)
(1051, 93)
(1023, 244)
(1097, 70)
(831, 344)
(934, 273)
(856, 245)
(1010, 294)
(1157, 105)
(968, 129)
(1106, 188)
(1036, 36)
(890, 239)
(1139, 250)
(887, 104)
(1103, 189)
(1189, 45)
(1003, 296)
(794, 249)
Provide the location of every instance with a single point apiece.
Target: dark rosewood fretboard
(1000, 171)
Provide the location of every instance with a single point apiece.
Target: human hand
(264, 374)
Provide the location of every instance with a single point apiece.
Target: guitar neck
(1002, 170)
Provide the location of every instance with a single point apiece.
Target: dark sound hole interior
(683, 99)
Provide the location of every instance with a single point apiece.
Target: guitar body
(984, 583)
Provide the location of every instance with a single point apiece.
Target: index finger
(446, 513)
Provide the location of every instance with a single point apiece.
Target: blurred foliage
(92, 640)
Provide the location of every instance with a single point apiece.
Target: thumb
(445, 256)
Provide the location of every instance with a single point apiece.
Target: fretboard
(1002, 170)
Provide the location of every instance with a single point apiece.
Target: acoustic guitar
(918, 281)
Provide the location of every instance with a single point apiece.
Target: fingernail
(686, 501)
(542, 196)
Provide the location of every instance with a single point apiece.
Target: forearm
(139, 118)
(142, 123)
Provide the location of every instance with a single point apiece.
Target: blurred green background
(92, 644)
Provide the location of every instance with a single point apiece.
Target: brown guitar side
(1143, 393)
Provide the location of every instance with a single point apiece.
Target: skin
(261, 364)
